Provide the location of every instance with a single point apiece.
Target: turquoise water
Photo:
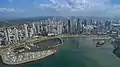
(77, 52)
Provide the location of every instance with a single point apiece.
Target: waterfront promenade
(40, 38)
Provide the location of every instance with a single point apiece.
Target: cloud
(43, 6)
(72, 7)
(11, 10)
(7, 10)
(78, 4)
(90, 7)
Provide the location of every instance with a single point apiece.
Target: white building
(16, 35)
(31, 32)
(34, 28)
(7, 35)
(38, 28)
(47, 28)
(20, 35)
(59, 29)
(26, 30)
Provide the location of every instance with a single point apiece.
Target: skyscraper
(84, 23)
(16, 35)
(34, 28)
(31, 32)
(26, 30)
(78, 26)
(64, 31)
(6, 33)
(59, 29)
(69, 27)
(107, 25)
(38, 28)
(20, 35)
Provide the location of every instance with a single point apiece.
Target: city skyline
(60, 33)
(33, 8)
(25, 42)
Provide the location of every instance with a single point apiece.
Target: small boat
(100, 43)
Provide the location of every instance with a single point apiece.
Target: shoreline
(61, 38)
(41, 38)
(46, 38)
(44, 54)
(88, 36)
(12, 58)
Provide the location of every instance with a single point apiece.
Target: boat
(100, 43)
(28, 53)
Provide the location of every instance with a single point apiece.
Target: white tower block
(26, 30)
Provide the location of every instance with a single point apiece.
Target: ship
(100, 43)
(32, 52)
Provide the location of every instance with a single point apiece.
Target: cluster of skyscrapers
(57, 27)
(21, 32)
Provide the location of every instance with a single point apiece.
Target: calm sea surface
(77, 52)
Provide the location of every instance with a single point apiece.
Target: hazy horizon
(34, 8)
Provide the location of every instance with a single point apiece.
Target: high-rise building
(41, 26)
(59, 29)
(7, 35)
(26, 30)
(16, 35)
(64, 31)
(20, 35)
(84, 23)
(47, 28)
(34, 28)
(78, 26)
(38, 28)
(69, 26)
(73, 26)
(107, 25)
(31, 33)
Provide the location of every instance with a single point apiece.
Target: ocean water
(77, 52)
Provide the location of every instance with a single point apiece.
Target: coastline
(12, 58)
(63, 36)
(41, 55)
(41, 38)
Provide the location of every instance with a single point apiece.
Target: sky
(34, 8)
